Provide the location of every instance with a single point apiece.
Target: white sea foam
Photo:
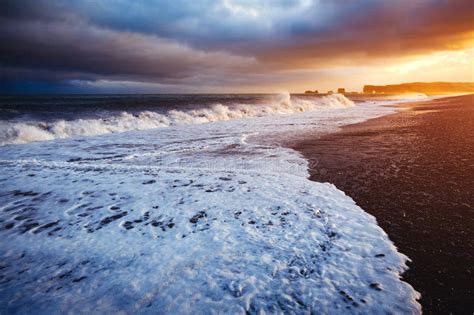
(407, 97)
(29, 131)
(197, 218)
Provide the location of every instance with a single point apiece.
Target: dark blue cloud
(208, 22)
(41, 86)
(182, 42)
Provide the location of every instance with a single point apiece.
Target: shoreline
(413, 170)
(213, 216)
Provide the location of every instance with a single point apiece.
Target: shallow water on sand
(414, 171)
(192, 217)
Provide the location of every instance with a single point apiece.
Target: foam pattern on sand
(194, 219)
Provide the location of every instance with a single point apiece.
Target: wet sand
(414, 171)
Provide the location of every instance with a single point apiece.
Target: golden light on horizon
(443, 60)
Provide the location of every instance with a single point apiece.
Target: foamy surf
(29, 131)
(201, 218)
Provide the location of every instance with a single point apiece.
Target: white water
(29, 131)
(197, 218)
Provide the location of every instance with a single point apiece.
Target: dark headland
(414, 171)
(434, 88)
(428, 88)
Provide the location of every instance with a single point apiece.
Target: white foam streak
(407, 97)
(25, 132)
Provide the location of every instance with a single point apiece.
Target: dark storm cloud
(225, 42)
(384, 29)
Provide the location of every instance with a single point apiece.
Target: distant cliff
(425, 88)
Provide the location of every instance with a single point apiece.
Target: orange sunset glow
(234, 46)
(237, 157)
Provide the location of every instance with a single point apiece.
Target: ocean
(185, 204)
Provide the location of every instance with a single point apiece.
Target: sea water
(185, 204)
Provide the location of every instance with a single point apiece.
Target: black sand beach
(414, 171)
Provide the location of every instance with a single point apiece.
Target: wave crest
(29, 131)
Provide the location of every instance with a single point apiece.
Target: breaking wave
(29, 131)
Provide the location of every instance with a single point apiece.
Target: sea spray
(19, 132)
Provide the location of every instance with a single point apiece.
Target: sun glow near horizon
(231, 46)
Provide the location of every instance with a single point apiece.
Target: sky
(231, 46)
